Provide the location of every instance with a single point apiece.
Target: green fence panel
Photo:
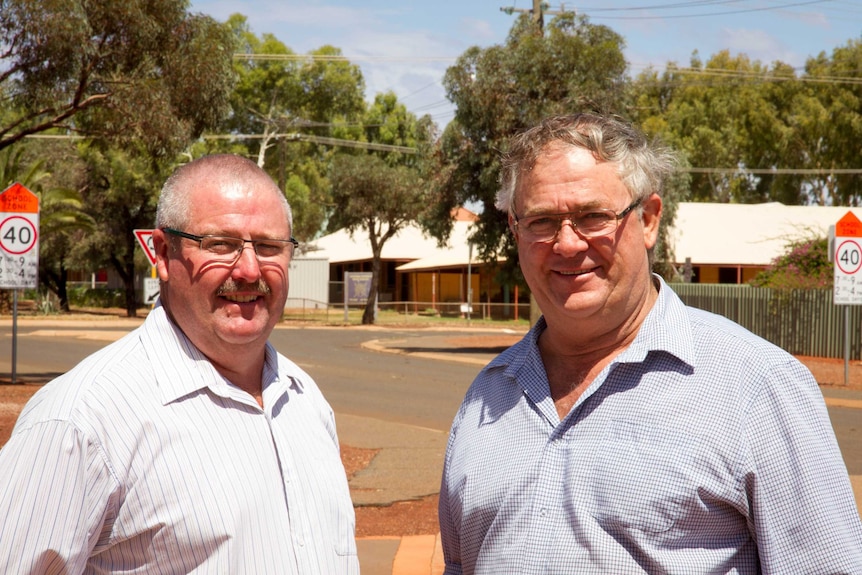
(803, 322)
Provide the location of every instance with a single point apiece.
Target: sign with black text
(848, 261)
(19, 238)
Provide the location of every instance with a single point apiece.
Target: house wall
(309, 282)
(442, 286)
(725, 274)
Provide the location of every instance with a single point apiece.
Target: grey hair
(174, 202)
(642, 167)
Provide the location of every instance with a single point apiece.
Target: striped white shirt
(701, 449)
(144, 459)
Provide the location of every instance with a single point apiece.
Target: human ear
(651, 217)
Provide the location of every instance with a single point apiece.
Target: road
(397, 388)
(392, 387)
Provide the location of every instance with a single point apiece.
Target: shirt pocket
(642, 477)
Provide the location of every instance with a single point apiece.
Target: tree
(285, 101)
(570, 66)
(804, 265)
(135, 72)
(381, 192)
(726, 116)
(377, 198)
(120, 192)
(827, 124)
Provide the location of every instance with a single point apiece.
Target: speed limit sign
(19, 238)
(848, 261)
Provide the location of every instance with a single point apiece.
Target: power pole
(539, 9)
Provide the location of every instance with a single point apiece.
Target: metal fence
(803, 322)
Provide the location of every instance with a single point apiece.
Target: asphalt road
(392, 387)
(397, 388)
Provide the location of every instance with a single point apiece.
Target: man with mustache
(191, 444)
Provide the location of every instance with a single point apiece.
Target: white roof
(746, 234)
(708, 233)
(407, 245)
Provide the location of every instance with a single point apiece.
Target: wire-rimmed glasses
(589, 223)
(228, 249)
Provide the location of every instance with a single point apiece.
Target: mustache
(230, 285)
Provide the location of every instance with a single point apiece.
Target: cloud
(759, 45)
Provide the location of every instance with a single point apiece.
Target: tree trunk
(371, 302)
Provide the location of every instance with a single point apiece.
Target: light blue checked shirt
(701, 449)
(144, 459)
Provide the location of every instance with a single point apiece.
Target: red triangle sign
(145, 238)
(848, 227)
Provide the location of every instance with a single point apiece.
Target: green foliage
(82, 296)
(378, 199)
(570, 66)
(120, 192)
(137, 72)
(286, 102)
(805, 265)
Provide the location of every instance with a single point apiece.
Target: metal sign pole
(846, 345)
(14, 335)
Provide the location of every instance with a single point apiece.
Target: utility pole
(539, 9)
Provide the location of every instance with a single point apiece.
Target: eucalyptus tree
(284, 104)
(569, 66)
(827, 121)
(729, 118)
(138, 71)
(380, 192)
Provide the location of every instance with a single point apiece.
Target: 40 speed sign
(848, 261)
(19, 238)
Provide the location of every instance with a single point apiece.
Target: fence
(309, 309)
(803, 322)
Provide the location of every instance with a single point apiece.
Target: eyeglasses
(591, 223)
(228, 249)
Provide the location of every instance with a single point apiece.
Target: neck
(246, 375)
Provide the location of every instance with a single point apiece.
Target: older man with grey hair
(628, 433)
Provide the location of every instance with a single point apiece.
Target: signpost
(19, 249)
(847, 284)
(357, 286)
(151, 284)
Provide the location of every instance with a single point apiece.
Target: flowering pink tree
(805, 265)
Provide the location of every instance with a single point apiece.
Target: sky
(405, 46)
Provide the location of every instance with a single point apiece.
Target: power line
(322, 140)
(727, 13)
(774, 171)
(343, 58)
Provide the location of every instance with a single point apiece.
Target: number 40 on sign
(19, 238)
(848, 260)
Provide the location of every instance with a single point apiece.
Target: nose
(568, 240)
(246, 266)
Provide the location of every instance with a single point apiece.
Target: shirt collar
(665, 329)
(182, 369)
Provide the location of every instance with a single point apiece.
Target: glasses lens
(268, 249)
(540, 228)
(221, 248)
(596, 223)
